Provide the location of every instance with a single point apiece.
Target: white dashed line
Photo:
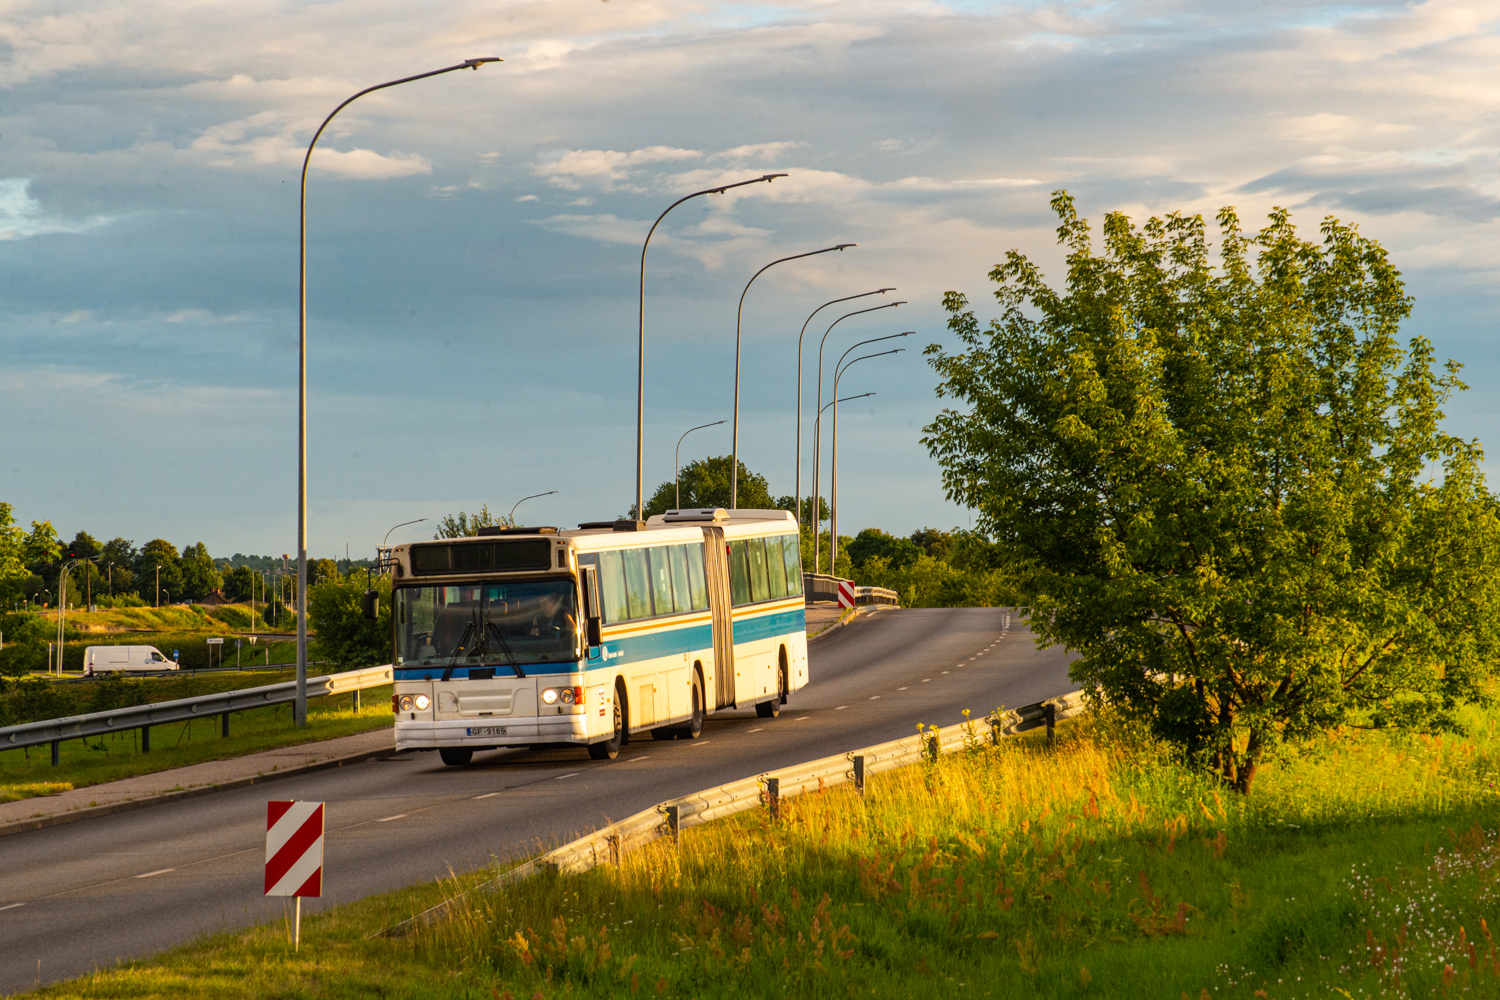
(926, 679)
(159, 871)
(486, 795)
(841, 708)
(757, 729)
(802, 718)
(562, 776)
(387, 819)
(874, 697)
(945, 671)
(11, 906)
(901, 689)
(698, 743)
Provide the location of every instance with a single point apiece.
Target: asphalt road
(84, 895)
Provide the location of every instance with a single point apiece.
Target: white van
(99, 659)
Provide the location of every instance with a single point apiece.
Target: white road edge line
(562, 776)
(159, 871)
(387, 819)
(486, 795)
(11, 906)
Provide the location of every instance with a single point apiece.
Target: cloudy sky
(473, 239)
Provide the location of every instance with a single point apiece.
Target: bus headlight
(406, 703)
(422, 702)
(550, 696)
(568, 696)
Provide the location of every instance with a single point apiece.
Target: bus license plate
(487, 731)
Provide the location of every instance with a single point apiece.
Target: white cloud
(270, 139)
(604, 166)
(22, 216)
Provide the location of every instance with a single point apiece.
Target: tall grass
(1096, 867)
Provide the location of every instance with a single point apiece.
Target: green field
(1092, 868)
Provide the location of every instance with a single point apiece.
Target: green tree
(467, 526)
(240, 584)
(335, 611)
(159, 555)
(200, 575)
(21, 552)
(1230, 484)
(872, 543)
(705, 483)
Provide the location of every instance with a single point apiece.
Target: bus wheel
(455, 756)
(771, 709)
(610, 749)
(693, 728)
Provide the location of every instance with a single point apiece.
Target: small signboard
(215, 642)
(294, 854)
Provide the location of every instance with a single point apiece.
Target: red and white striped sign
(846, 593)
(294, 848)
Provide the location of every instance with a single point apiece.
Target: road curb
(77, 815)
(842, 622)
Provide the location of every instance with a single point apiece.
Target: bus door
(716, 569)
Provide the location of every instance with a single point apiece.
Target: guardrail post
(1050, 711)
(224, 726)
(356, 701)
(673, 815)
(773, 798)
(932, 747)
(145, 739)
(995, 723)
(614, 850)
(859, 774)
(56, 752)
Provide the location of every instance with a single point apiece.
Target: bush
(335, 610)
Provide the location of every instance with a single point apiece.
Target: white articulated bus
(537, 637)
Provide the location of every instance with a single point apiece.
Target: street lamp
(640, 365)
(797, 491)
(677, 459)
(299, 708)
(512, 516)
(62, 610)
(833, 474)
(734, 447)
(385, 542)
(817, 439)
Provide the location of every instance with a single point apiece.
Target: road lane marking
(387, 819)
(562, 776)
(628, 760)
(841, 708)
(926, 679)
(159, 871)
(757, 729)
(802, 718)
(876, 697)
(945, 671)
(901, 689)
(698, 743)
(11, 906)
(486, 795)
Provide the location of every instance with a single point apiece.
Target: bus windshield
(472, 624)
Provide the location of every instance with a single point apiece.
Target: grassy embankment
(29, 773)
(1095, 868)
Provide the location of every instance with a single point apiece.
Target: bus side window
(695, 576)
(679, 557)
(637, 583)
(759, 585)
(791, 550)
(661, 580)
(612, 587)
(775, 568)
(739, 574)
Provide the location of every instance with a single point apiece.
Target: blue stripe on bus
(770, 626)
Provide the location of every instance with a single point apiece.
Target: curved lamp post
(734, 447)
(820, 413)
(797, 490)
(817, 439)
(299, 707)
(62, 609)
(386, 541)
(640, 364)
(677, 458)
(512, 516)
(818, 423)
(833, 472)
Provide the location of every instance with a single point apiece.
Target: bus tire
(610, 749)
(455, 756)
(771, 709)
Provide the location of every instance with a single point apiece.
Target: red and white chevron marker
(294, 854)
(846, 593)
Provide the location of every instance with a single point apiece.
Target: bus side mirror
(372, 605)
(595, 630)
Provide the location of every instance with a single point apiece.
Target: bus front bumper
(491, 732)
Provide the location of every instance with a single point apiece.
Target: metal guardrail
(143, 717)
(607, 845)
(822, 587)
(876, 595)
